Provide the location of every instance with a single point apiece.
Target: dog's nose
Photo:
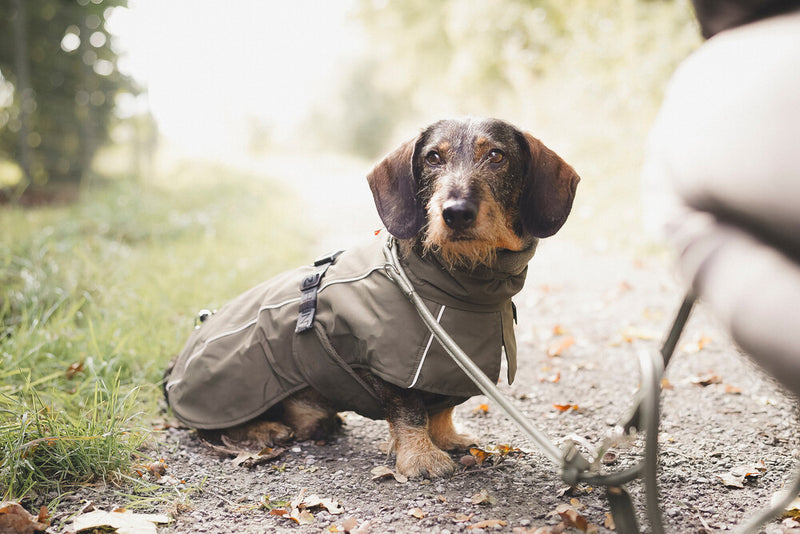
(459, 214)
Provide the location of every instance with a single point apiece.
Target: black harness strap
(309, 288)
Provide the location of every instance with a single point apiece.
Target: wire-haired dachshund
(466, 201)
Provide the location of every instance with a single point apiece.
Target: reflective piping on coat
(252, 322)
(427, 348)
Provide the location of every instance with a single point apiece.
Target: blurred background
(313, 92)
(158, 157)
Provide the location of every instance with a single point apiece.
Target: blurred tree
(57, 62)
(516, 58)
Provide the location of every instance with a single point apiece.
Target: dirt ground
(582, 318)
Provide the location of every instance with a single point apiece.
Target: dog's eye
(495, 156)
(433, 158)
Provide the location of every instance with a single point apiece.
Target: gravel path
(595, 312)
(583, 316)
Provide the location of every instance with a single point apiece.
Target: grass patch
(96, 297)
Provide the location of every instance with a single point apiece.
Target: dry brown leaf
(14, 518)
(558, 347)
(706, 379)
(553, 378)
(483, 409)
(382, 472)
(736, 477)
(463, 518)
(482, 497)
(793, 510)
(416, 512)
(303, 517)
(252, 459)
(488, 523)
(571, 517)
(480, 455)
(566, 407)
(315, 501)
(666, 384)
(157, 469)
(74, 369)
(732, 390)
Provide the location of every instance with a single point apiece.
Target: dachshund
(463, 200)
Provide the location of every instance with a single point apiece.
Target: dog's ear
(394, 185)
(548, 189)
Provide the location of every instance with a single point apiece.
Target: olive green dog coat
(247, 357)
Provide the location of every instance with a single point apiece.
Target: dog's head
(467, 188)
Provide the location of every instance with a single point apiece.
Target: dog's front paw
(431, 462)
(452, 442)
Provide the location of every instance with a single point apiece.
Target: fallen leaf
(731, 480)
(732, 390)
(157, 469)
(488, 523)
(558, 347)
(483, 409)
(416, 512)
(252, 459)
(793, 510)
(505, 450)
(382, 472)
(303, 517)
(666, 384)
(480, 455)
(571, 517)
(790, 523)
(609, 522)
(554, 378)
(315, 501)
(125, 522)
(609, 458)
(74, 369)
(706, 379)
(463, 518)
(736, 477)
(566, 407)
(482, 497)
(15, 519)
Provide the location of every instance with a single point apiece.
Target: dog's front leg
(409, 427)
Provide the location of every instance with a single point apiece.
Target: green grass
(96, 297)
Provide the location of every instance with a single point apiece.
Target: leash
(575, 468)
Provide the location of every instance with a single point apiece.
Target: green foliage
(58, 63)
(543, 64)
(97, 297)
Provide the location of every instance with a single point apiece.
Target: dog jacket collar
(247, 357)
